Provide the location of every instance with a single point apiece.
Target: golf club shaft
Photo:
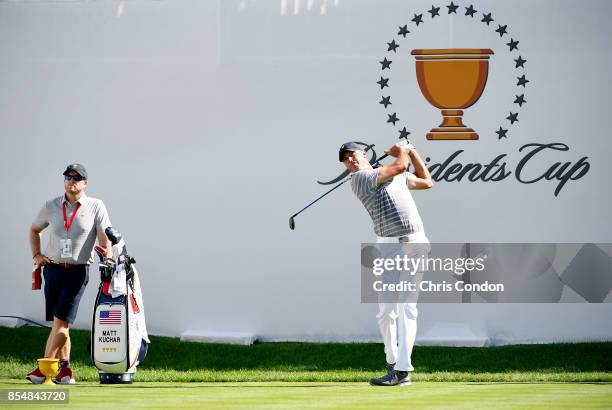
(307, 206)
(376, 163)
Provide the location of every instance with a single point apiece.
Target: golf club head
(113, 235)
(291, 223)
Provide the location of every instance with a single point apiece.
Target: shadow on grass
(172, 354)
(206, 385)
(494, 383)
(242, 385)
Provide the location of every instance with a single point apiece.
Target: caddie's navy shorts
(64, 287)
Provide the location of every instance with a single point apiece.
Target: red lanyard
(67, 224)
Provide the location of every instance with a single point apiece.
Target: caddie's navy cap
(349, 147)
(78, 168)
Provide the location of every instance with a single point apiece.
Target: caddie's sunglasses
(76, 178)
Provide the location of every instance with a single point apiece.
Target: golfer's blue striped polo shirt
(389, 204)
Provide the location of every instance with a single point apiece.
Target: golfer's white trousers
(398, 322)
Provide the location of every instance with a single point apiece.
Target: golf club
(292, 218)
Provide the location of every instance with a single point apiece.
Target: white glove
(406, 146)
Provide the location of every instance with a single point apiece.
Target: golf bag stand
(119, 339)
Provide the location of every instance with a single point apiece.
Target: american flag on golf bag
(110, 317)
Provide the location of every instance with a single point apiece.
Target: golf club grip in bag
(119, 339)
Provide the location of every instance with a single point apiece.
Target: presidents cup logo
(455, 79)
(452, 80)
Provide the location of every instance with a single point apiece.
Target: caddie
(74, 221)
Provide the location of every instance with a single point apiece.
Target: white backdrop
(205, 124)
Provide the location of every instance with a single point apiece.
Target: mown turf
(277, 395)
(170, 360)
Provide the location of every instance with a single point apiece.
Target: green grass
(307, 376)
(280, 395)
(170, 360)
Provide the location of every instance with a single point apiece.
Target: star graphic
(520, 100)
(404, 133)
(512, 44)
(513, 117)
(386, 63)
(522, 80)
(384, 82)
(501, 133)
(403, 31)
(520, 62)
(486, 18)
(392, 118)
(435, 11)
(418, 19)
(501, 30)
(392, 46)
(452, 8)
(470, 11)
(385, 101)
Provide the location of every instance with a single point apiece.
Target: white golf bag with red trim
(119, 338)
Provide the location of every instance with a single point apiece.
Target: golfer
(74, 222)
(385, 193)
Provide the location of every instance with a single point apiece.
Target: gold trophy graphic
(452, 79)
(48, 367)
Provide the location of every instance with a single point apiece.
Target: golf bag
(119, 338)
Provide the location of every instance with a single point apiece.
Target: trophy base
(452, 133)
